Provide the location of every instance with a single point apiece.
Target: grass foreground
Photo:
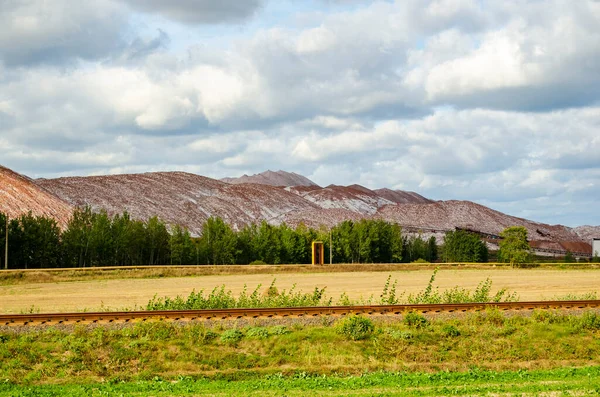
(350, 346)
(564, 381)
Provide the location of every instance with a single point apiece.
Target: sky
(496, 102)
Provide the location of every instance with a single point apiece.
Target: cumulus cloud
(199, 11)
(491, 101)
(540, 58)
(34, 32)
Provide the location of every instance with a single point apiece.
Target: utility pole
(6, 245)
(330, 248)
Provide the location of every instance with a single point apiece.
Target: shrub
(398, 334)
(220, 298)
(450, 331)
(576, 297)
(257, 332)
(507, 330)
(415, 320)
(208, 336)
(388, 295)
(590, 320)
(279, 330)
(548, 317)
(356, 327)
(345, 300)
(494, 316)
(231, 336)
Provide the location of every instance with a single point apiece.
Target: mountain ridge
(272, 178)
(20, 194)
(189, 199)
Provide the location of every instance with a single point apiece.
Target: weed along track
(228, 314)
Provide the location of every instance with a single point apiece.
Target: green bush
(431, 295)
(232, 336)
(209, 336)
(356, 327)
(398, 334)
(220, 298)
(590, 320)
(450, 331)
(257, 332)
(415, 320)
(279, 330)
(507, 330)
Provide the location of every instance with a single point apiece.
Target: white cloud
(56, 31)
(199, 11)
(433, 97)
(541, 48)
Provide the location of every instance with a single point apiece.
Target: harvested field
(529, 284)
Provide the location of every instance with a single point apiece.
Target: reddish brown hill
(321, 217)
(302, 190)
(446, 215)
(402, 197)
(188, 199)
(279, 178)
(588, 233)
(19, 195)
(354, 198)
(178, 198)
(562, 246)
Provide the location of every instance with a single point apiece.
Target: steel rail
(281, 312)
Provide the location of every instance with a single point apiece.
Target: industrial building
(596, 247)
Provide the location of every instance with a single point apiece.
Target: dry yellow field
(529, 284)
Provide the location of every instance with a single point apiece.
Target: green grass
(141, 352)
(564, 381)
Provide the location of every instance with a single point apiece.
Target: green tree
(101, 240)
(514, 247)
(345, 243)
(431, 254)
(181, 246)
(569, 258)
(122, 231)
(462, 246)
(34, 242)
(395, 241)
(46, 253)
(135, 243)
(2, 238)
(307, 236)
(416, 248)
(292, 245)
(245, 244)
(219, 242)
(267, 244)
(157, 242)
(77, 238)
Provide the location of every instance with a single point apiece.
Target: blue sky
(495, 102)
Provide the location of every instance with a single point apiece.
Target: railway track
(283, 312)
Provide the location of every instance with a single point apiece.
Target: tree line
(93, 239)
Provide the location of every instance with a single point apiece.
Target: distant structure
(596, 246)
(318, 253)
